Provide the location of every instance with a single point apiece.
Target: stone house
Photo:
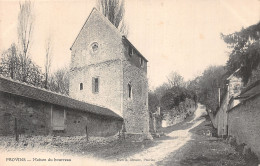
(234, 87)
(108, 90)
(107, 70)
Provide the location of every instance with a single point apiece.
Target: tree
(25, 29)
(9, 62)
(48, 59)
(114, 10)
(175, 79)
(153, 102)
(11, 66)
(59, 81)
(213, 77)
(245, 53)
(161, 90)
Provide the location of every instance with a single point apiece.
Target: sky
(174, 35)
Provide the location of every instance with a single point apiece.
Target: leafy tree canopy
(174, 96)
(245, 53)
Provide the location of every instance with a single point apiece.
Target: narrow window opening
(141, 62)
(95, 85)
(81, 86)
(131, 51)
(129, 91)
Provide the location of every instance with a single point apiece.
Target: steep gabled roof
(28, 91)
(94, 10)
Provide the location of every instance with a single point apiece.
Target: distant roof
(28, 91)
(233, 74)
(111, 25)
(245, 97)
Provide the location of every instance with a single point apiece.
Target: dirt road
(170, 144)
(188, 143)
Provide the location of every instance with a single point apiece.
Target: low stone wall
(97, 126)
(34, 118)
(221, 117)
(244, 123)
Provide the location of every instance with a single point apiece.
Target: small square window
(81, 86)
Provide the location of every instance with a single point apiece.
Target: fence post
(16, 130)
(87, 132)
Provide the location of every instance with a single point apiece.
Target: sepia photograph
(129, 83)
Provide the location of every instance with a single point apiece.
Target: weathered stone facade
(244, 124)
(105, 64)
(221, 119)
(221, 116)
(107, 70)
(35, 117)
(135, 108)
(235, 86)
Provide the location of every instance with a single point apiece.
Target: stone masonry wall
(244, 124)
(98, 30)
(97, 126)
(112, 64)
(135, 108)
(221, 116)
(104, 63)
(34, 118)
(110, 90)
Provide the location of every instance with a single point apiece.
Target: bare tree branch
(175, 80)
(48, 60)
(114, 10)
(25, 29)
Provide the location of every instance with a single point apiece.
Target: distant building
(234, 87)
